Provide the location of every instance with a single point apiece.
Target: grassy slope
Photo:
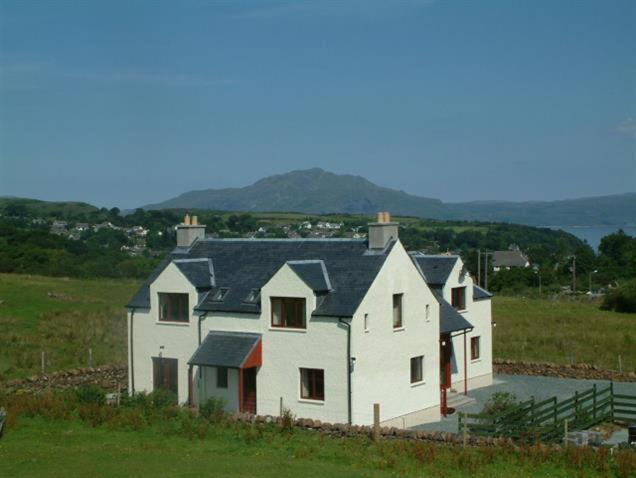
(85, 313)
(563, 332)
(39, 447)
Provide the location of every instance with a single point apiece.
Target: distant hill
(318, 192)
(13, 206)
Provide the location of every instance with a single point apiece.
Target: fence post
(576, 406)
(465, 437)
(42, 360)
(90, 357)
(554, 399)
(376, 422)
(612, 399)
(594, 401)
(565, 432)
(280, 407)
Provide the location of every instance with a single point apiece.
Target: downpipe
(347, 325)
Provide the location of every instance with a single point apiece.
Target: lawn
(62, 317)
(46, 447)
(563, 332)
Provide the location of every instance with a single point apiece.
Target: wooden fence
(548, 420)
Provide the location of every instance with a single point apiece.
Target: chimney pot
(186, 220)
(195, 220)
(387, 216)
(380, 217)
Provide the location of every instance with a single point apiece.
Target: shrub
(95, 414)
(287, 420)
(90, 394)
(621, 299)
(213, 409)
(499, 403)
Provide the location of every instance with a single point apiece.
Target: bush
(287, 420)
(90, 394)
(621, 299)
(499, 403)
(213, 409)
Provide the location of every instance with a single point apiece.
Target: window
(474, 348)
(164, 374)
(253, 297)
(417, 369)
(366, 322)
(458, 298)
(288, 312)
(221, 377)
(428, 312)
(173, 307)
(397, 310)
(220, 294)
(312, 383)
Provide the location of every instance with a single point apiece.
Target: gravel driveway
(524, 387)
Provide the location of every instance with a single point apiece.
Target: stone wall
(579, 370)
(108, 377)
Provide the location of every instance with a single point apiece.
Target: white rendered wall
(382, 366)
(229, 394)
(177, 339)
(479, 315)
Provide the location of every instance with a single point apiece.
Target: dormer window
(173, 308)
(219, 294)
(288, 312)
(253, 297)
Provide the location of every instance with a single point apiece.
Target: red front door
(248, 399)
(445, 352)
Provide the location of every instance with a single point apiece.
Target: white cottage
(325, 327)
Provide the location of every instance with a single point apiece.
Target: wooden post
(376, 422)
(620, 364)
(117, 401)
(90, 357)
(565, 432)
(612, 399)
(280, 407)
(594, 401)
(465, 431)
(42, 360)
(554, 399)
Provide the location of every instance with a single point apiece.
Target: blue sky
(129, 102)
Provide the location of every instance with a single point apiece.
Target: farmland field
(65, 317)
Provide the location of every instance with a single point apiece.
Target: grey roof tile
(313, 273)
(480, 293)
(241, 265)
(225, 349)
(199, 271)
(436, 269)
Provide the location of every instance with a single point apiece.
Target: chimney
(382, 231)
(189, 231)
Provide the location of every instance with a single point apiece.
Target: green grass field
(66, 317)
(63, 318)
(39, 447)
(563, 332)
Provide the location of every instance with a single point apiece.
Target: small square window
(312, 383)
(417, 369)
(475, 352)
(221, 377)
(220, 294)
(366, 322)
(253, 296)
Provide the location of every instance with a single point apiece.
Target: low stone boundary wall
(108, 377)
(578, 371)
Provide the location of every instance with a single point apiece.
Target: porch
(227, 365)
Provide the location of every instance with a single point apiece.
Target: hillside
(317, 191)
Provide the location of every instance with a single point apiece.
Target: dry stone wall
(578, 371)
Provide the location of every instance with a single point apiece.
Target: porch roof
(450, 320)
(226, 349)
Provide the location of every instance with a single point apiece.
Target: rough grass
(50, 447)
(563, 332)
(62, 317)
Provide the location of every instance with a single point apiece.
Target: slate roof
(449, 319)
(480, 293)
(199, 271)
(436, 269)
(313, 273)
(509, 259)
(225, 349)
(242, 265)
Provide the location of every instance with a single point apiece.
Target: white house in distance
(325, 327)
(513, 257)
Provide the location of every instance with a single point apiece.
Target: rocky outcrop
(108, 377)
(579, 370)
